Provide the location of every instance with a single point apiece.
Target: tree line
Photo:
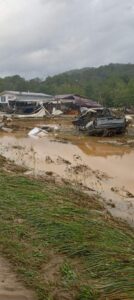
(111, 85)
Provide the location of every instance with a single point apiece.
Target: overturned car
(100, 122)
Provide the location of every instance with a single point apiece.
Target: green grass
(61, 242)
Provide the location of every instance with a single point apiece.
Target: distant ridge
(111, 85)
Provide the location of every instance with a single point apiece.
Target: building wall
(8, 98)
(5, 98)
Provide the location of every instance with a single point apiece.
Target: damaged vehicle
(100, 122)
(106, 126)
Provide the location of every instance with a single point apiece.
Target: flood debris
(10, 167)
(37, 132)
(50, 127)
(1, 125)
(7, 119)
(107, 126)
(111, 204)
(38, 113)
(43, 130)
(76, 157)
(61, 160)
(80, 169)
(49, 160)
(129, 119)
(100, 122)
(57, 112)
(122, 192)
(5, 123)
(7, 129)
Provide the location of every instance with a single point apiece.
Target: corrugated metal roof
(30, 94)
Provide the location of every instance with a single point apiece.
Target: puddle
(104, 167)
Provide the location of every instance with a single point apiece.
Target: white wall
(3, 99)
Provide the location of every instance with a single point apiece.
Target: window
(3, 99)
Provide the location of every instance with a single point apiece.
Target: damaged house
(22, 102)
(27, 102)
(71, 103)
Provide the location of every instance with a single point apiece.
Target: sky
(40, 38)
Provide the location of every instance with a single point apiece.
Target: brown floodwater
(106, 166)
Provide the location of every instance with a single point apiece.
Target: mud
(104, 166)
(10, 286)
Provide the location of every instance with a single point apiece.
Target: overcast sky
(45, 37)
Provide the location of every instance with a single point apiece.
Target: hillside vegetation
(111, 85)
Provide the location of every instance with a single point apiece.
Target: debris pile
(43, 130)
(5, 122)
(37, 132)
(100, 122)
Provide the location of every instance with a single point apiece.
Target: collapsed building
(72, 103)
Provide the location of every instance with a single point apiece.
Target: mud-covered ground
(96, 164)
(10, 287)
(62, 243)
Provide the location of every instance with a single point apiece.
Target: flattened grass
(62, 242)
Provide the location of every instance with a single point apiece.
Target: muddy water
(107, 167)
(116, 160)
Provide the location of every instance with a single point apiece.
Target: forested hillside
(112, 85)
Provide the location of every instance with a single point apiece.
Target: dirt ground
(10, 287)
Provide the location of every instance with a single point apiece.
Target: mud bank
(102, 166)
